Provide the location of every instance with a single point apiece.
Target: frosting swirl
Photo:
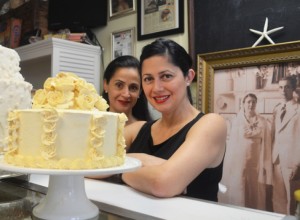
(48, 149)
(68, 91)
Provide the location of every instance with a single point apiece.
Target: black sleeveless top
(205, 185)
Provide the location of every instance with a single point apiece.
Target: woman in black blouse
(183, 151)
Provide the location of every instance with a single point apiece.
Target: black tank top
(205, 185)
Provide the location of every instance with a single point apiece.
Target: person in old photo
(248, 157)
(286, 147)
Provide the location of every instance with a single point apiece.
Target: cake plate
(66, 197)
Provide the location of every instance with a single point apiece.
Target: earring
(105, 91)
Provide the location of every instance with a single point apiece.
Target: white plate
(129, 165)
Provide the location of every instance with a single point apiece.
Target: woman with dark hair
(122, 89)
(182, 152)
(247, 164)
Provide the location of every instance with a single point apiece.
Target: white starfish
(265, 33)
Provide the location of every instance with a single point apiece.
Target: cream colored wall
(126, 22)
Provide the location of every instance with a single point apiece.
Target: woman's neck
(181, 115)
(131, 119)
(250, 114)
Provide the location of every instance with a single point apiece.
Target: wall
(224, 25)
(104, 34)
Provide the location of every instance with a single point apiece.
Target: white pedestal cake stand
(66, 197)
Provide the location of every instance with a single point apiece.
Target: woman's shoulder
(212, 117)
(135, 125)
(132, 130)
(211, 123)
(209, 135)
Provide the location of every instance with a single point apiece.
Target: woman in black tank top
(182, 152)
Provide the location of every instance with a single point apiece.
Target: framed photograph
(227, 64)
(118, 8)
(122, 43)
(253, 89)
(191, 31)
(157, 18)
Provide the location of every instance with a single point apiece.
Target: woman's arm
(203, 148)
(131, 131)
(146, 159)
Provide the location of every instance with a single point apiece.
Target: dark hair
(176, 53)
(292, 79)
(140, 110)
(250, 95)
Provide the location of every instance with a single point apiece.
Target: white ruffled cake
(68, 128)
(15, 92)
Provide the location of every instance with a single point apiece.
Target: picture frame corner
(179, 27)
(209, 63)
(115, 15)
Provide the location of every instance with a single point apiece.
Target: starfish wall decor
(265, 33)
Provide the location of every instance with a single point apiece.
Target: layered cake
(68, 127)
(15, 91)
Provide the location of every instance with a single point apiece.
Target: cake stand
(66, 197)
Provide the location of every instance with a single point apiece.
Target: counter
(129, 203)
(18, 197)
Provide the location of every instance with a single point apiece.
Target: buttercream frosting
(68, 127)
(15, 91)
(66, 139)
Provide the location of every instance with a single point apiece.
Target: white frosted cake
(68, 128)
(15, 93)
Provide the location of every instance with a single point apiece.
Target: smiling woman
(184, 146)
(122, 89)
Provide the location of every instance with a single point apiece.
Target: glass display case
(18, 197)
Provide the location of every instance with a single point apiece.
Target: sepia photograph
(118, 8)
(260, 102)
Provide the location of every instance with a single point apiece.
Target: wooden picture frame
(159, 18)
(250, 88)
(191, 31)
(122, 43)
(116, 10)
(209, 63)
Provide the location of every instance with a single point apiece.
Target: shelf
(47, 58)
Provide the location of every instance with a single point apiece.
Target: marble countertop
(130, 203)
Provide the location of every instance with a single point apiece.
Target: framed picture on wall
(118, 8)
(157, 18)
(122, 43)
(261, 86)
(219, 67)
